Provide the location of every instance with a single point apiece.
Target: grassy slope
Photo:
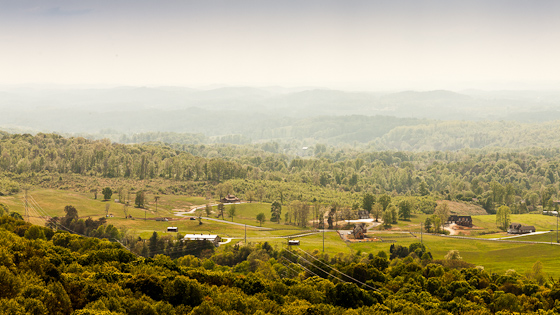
(246, 213)
(540, 222)
(495, 256)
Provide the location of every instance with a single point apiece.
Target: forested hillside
(53, 272)
(366, 133)
(521, 179)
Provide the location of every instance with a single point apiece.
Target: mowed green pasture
(246, 213)
(53, 201)
(539, 221)
(333, 243)
(494, 256)
(545, 237)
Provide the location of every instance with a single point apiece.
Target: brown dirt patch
(455, 229)
(463, 208)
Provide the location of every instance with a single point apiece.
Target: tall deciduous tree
(71, 214)
(261, 218)
(405, 208)
(387, 218)
(250, 195)
(231, 212)
(140, 199)
(377, 211)
(367, 203)
(503, 217)
(423, 189)
(385, 201)
(394, 214)
(275, 212)
(107, 193)
(442, 212)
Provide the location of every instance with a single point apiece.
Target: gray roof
(195, 237)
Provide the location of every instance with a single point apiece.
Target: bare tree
(156, 198)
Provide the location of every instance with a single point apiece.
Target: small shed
(293, 242)
(215, 239)
(518, 228)
(172, 229)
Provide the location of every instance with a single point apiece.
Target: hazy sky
(341, 44)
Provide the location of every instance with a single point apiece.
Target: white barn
(215, 239)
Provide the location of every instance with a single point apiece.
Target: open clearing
(493, 255)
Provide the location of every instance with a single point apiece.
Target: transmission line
(342, 273)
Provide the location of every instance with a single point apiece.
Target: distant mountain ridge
(332, 116)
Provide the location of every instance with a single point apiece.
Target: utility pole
(156, 199)
(421, 238)
(245, 234)
(323, 236)
(26, 205)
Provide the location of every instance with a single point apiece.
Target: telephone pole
(421, 239)
(26, 205)
(323, 237)
(245, 234)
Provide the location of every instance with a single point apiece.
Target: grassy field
(494, 256)
(246, 213)
(539, 221)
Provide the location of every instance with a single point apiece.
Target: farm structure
(215, 239)
(359, 231)
(462, 220)
(363, 214)
(518, 228)
(229, 199)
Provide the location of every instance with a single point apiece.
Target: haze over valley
(371, 156)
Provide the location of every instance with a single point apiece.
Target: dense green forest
(520, 179)
(369, 133)
(48, 270)
(53, 272)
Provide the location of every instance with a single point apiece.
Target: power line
(287, 266)
(339, 271)
(34, 205)
(317, 267)
(302, 266)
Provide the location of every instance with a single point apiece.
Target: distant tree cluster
(55, 272)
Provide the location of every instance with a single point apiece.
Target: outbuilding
(518, 228)
(215, 239)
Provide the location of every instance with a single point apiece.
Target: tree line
(523, 180)
(55, 272)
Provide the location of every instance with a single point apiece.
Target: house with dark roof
(363, 214)
(462, 220)
(518, 228)
(229, 199)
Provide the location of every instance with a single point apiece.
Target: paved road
(521, 235)
(488, 239)
(211, 205)
(239, 224)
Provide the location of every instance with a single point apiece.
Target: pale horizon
(358, 45)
